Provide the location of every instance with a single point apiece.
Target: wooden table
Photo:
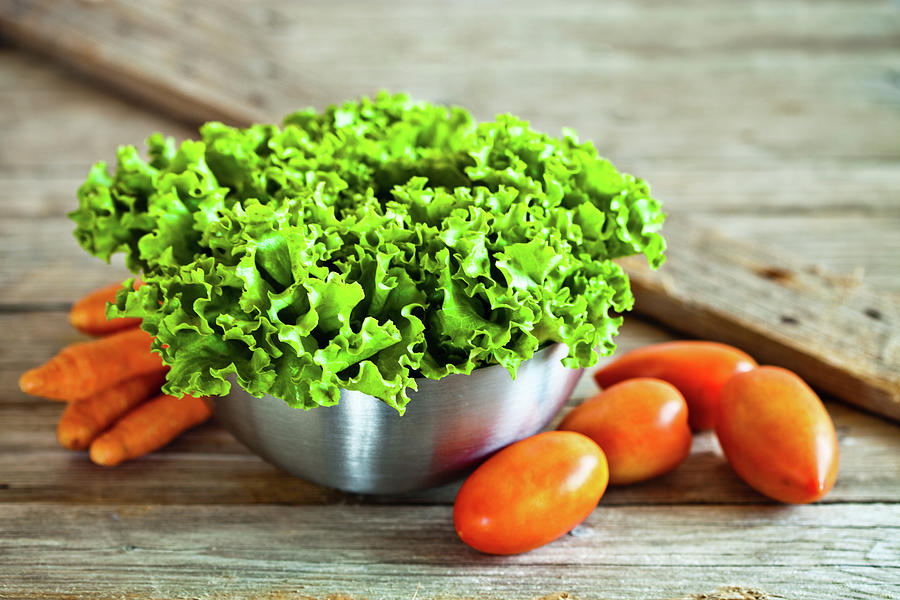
(780, 129)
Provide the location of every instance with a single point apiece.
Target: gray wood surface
(775, 121)
(207, 466)
(390, 552)
(771, 122)
(839, 336)
(860, 362)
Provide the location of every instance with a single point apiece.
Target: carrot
(88, 315)
(83, 369)
(85, 419)
(148, 427)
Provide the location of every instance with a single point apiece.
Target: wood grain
(839, 246)
(843, 339)
(801, 552)
(812, 209)
(614, 74)
(207, 466)
(771, 121)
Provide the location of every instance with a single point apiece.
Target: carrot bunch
(112, 386)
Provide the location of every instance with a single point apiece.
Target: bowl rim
(232, 378)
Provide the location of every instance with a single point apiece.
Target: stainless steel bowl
(362, 445)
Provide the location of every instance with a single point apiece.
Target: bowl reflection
(362, 445)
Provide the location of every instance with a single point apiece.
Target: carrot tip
(30, 381)
(103, 453)
(77, 319)
(77, 439)
(73, 444)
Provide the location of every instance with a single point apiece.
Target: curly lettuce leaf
(368, 245)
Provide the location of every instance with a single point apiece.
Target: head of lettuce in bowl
(360, 253)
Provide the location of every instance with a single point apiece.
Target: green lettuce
(365, 246)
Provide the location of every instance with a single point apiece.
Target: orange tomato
(641, 425)
(698, 369)
(530, 493)
(777, 435)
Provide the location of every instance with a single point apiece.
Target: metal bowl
(362, 445)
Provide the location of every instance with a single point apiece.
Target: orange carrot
(83, 369)
(85, 419)
(148, 427)
(88, 315)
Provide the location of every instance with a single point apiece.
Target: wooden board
(860, 362)
(770, 121)
(614, 74)
(204, 518)
(317, 552)
(837, 334)
(207, 466)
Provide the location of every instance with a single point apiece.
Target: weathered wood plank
(727, 290)
(47, 332)
(578, 65)
(862, 249)
(761, 189)
(772, 188)
(42, 265)
(822, 211)
(42, 262)
(843, 339)
(68, 129)
(300, 552)
(686, 111)
(38, 160)
(207, 466)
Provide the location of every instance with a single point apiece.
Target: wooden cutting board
(836, 333)
(841, 337)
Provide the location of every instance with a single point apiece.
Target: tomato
(777, 435)
(530, 493)
(641, 425)
(698, 369)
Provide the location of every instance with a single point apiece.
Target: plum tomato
(530, 493)
(641, 425)
(777, 435)
(698, 369)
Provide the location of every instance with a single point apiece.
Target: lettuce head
(366, 246)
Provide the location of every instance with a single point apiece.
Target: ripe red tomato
(698, 369)
(777, 435)
(530, 493)
(641, 425)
